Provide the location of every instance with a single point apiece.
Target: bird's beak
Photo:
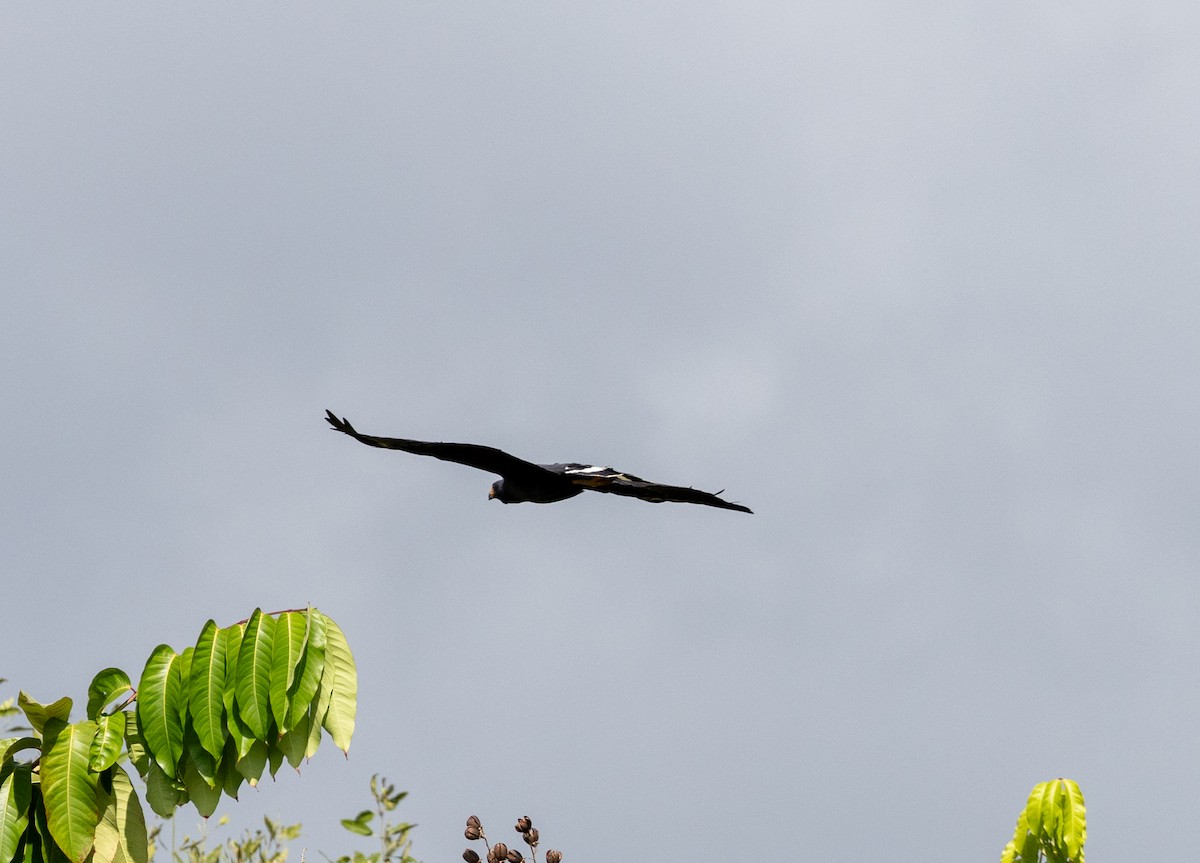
(491, 493)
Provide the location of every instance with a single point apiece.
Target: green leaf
(340, 680)
(254, 673)
(294, 742)
(227, 773)
(231, 642)
(16, 794)
(204, 763)
(162, 792)
(37, 714)
(68, 788)
(274, 758)
(308, 672)
(204, 796)
(106, 686)
(358, 827)
(161, 701)
(285, 655)
(206, 690)
(121, 834)
(106, 746)
(252, 763)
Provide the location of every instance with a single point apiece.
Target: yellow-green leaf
(340, 682)
(206, 690)
(69, 789)
(37, 714)
(106, 745)
(254, 673)
(161, 703)
(121, 834)
(1072, 821)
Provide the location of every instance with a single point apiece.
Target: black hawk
(523, 481)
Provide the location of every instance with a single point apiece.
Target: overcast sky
(918, 282)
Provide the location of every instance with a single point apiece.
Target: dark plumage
(523, 481)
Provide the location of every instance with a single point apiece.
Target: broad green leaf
(69, 788)
(206, 690)
(204, 763)
(121, 834)
(1072, 820)
(240, 733)
(107, 847)
(131, 821)
(340, 679)
(231, 638)
(16, 794)
(162, 793)
(37, 714)
(308, 672)
(106, 686)
(254, 673)
(294, 742)
(227, 773)
(204, 796)
(274, 758)
(285, 655)
(106, 746)
(161, 700)
(252, 763)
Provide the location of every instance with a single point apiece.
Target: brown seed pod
(523, 824)
(470, 856)
(514, 856)
(553, 856)
(498, 854)
(531, 837)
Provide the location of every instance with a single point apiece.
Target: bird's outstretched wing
(472, 455)
(611, 481)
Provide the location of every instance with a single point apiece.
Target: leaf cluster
(1053, 826)
(200, 723)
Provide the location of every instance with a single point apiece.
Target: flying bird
(523, 481)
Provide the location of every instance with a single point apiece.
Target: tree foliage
(199, 724)
(1053, 826)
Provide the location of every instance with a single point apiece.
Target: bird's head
(497, 492)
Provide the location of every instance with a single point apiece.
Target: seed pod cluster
(500, 852)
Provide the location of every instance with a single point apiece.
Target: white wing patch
(592, 471)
